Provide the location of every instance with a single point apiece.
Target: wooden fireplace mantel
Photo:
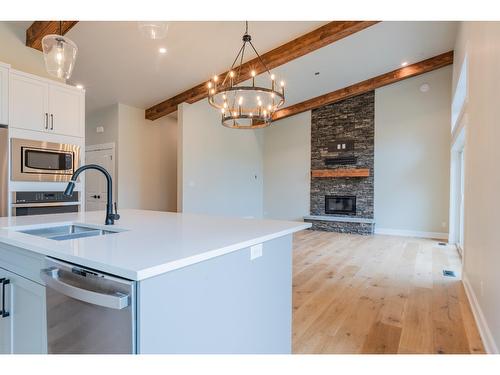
(341, 172)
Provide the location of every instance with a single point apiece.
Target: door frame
(103, 147)
(457, 175)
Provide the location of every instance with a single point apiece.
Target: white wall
(146, 170)
(480, 41)
(144, 179)
(106, 117)
(412, 158)
(13, 50)
(287, 166)
(220, 169)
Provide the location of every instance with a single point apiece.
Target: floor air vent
(442, 243)
(449, 273)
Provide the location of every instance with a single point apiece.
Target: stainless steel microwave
(43, 161)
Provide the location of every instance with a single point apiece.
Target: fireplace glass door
(344, 205)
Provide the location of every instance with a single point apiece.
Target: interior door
(65, 111)
(28, 103)
(95, 182)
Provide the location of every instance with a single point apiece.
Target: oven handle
(116, 300)
(47, 204)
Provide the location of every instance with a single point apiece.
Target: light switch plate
(256, 251)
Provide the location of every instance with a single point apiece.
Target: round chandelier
(59, 54)
(249, 105)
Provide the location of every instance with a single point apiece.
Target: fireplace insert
(340, 204)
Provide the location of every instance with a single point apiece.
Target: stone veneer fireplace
(342, 153)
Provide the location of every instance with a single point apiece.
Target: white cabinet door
(29, 103)
(65, 111)
(5, 323)
(4, 95)
(25, 303)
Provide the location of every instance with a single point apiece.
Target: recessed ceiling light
(162, 50)
(404, 63)
(79, 86)
(425, 87)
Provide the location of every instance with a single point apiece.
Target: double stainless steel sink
(68, 232)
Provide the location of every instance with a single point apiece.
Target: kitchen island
(194, 284)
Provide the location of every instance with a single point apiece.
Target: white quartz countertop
(150, 242)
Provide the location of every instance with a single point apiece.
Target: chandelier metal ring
(245, 106)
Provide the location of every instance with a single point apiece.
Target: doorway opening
(95, 183)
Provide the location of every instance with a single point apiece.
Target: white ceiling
(116, 64)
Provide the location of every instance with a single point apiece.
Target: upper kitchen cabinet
(29, 101)
(4, 94)
(41, 105)
(66, 110)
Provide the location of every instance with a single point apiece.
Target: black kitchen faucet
(110, 216)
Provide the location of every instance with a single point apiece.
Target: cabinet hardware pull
(51, 121)
(4, 312)
(46, 120)
(1, 310)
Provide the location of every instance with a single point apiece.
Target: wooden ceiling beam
(397, 75)
(323, 36)
(38, 29)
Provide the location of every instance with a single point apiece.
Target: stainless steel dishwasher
(88, 311)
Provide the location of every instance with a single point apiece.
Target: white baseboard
(411, 233)
(488, 341)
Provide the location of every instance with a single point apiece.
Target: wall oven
(43, 161)
(26, 203)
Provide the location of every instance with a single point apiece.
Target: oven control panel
(43, 197)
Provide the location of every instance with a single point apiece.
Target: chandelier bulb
(241, 89)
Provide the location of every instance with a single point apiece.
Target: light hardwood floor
(378, 294)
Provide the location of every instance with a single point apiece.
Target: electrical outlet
(256, 251)
(443, 224)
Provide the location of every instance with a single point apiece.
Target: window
(460, 95)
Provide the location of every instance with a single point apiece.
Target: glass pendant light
(59, 53)
(153, 29)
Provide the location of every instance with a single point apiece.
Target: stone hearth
(343, 132)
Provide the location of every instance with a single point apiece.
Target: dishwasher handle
(115, 300)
